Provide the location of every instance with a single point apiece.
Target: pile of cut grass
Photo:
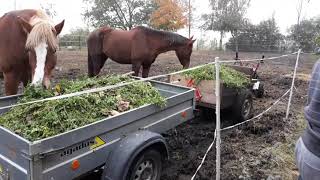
(230, 77)
(41, 120)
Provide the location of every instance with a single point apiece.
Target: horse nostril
(46, 84)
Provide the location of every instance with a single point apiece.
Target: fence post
(292, 84)
(218, 128)
(79, 42)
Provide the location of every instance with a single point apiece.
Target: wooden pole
(79, 42)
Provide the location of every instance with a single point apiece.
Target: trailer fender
(128, 149)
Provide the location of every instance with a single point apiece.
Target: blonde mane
(41, 32)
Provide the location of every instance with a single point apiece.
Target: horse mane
(173, 38)
(42, 31)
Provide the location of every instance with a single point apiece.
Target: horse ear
(59, 27)
(27, 27)
(191, 37)
(191, 42)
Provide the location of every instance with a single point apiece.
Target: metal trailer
(239, 101)
(125, 146)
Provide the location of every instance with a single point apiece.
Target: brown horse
(28, 44)
(139, 47)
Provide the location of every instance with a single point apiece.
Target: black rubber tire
(151, 156)
(243, 106)
(255, 76)
(260, 91)
(209, 114)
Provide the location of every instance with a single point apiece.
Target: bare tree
(49, 8)
(122, 14)
(299, 11)
(189, 18)
(299, 14)
(227, 16)
(236, 18)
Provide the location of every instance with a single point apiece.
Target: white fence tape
(256, 117)
(165, 75)
(94, 90)
(205, 155)
(292, 83)
(252, 60)
(259, 115)
(236, 125)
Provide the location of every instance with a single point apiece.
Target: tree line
(225, 16)
(125, 14)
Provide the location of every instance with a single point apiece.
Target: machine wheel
(242, 108)
(255, 76)
(147, 166)
(260, 91)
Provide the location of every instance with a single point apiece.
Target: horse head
(41, 44)
(184, 52)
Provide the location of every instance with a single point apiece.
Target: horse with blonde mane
(27, 48)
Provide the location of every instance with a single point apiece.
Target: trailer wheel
(147, 166)
(242, 108)
(209, 114)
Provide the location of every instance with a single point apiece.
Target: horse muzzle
(46, 83)
(186, 67)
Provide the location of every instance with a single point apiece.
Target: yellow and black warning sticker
(97, 143)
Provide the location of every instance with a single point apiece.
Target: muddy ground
(257, 150)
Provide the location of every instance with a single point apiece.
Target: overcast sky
(285, 10)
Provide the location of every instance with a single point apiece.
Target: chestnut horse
(140, 47)
(28, 44)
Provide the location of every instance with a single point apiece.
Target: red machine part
(254, 67)
(198, 95)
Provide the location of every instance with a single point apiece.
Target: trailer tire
(209, 114)
(129, 150)
(242, 108)
(146, 166)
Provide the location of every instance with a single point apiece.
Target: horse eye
(54, 31)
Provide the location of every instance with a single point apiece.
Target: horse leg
(11, 83)
(136, 69)
(101, 63)
(145, 70)
(26, 78)
(95, 63)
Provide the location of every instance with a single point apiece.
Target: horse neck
(165, 46)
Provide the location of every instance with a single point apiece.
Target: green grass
(284, 154)
(45, 119)
(230, 77)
